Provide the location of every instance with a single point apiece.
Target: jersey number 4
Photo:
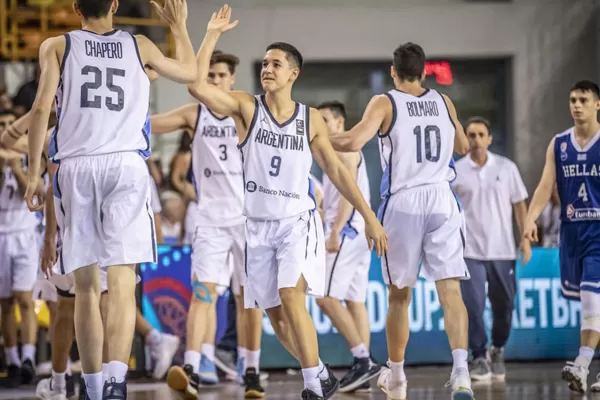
(96, 102)
(424, 137)
(582, 193)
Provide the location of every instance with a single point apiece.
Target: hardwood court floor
(527, 381)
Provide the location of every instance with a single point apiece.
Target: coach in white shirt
(490, 189)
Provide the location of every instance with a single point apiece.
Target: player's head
(7, 117)
(584, 101)
(95, 9)
(409, 63)
(222, 70)
(479, 133)
(334, 114)
(280, 67)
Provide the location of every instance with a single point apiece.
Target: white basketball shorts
(423, 224)
(279, 252)
(347, 276)
(19, 262)
(217, 253)
(102, 205)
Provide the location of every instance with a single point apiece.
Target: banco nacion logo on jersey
(207, 172)
(251, 186)
(299, 127)
(563, 151)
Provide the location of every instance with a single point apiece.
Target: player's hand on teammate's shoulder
(220, 21)
(525, 251)
(376, 236)
(35, 195)
(173, 12)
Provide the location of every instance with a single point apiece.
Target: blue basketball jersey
(577, 177)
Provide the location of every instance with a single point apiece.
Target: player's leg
(162, 346)
(208, 368)
(474, 296)
(226, 349)
(9, 334)
(501, 291)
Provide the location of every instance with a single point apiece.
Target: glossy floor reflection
(528, 381)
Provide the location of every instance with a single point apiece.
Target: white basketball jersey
(331, 200)
(14, 214)
(103, 97)
(217, 171)
(418, 147)
(277, 162)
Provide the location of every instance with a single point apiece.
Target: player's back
(417, 149)
(102, 101)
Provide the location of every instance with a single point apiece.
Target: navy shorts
(579, 258)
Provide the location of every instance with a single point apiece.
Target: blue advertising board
(545, 325)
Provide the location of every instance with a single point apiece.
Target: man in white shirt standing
(491, 191)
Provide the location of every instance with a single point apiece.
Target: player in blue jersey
(573, 164)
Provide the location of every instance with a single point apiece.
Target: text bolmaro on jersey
(277, 162)
(103, 98)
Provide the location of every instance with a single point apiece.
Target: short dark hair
(587, 86)
(5, 112)
(337, 108)
(94, 8)
(291, 53)
(220, 57)
(409, 62)
(479, 120)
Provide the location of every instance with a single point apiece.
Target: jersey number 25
(97, 83)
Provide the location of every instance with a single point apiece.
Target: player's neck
(280, 102)
(479, 157)
(586, 129)
(412, 88)
(99, 26)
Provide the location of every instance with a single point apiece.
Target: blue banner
(545, 325)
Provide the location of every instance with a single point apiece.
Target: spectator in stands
(173, 215)
(549, 222)
(23, 101)
(155, 170)
(180, 169)
(5, 100)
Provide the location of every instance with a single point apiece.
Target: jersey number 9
(275, 165)
(97, 83)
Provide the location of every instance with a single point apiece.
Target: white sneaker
(44, 391)
(163, 354)
(396, 393)
(596, 385)
(576, 376)
(460, 381)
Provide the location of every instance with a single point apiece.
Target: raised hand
(173, 13)
(220, 21)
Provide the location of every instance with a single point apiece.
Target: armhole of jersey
(66, 54)
(394, 116)
(447, 110)
(137, 51)
(307, 122)
(197, 121)
(252, 123)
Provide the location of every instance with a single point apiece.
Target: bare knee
(291, 298)
(24, 300)
(121, 280)
(449, 293)
(400, 297)
(87, 280)
(326, 304)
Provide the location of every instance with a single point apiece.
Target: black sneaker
(27, 372)
(13, 377)
(114, 391)
(70, 386)
(308, 394)
(364, 388)
(363, 370)
(252, 383)
(184, 381)
(82, 388)
(330, 385)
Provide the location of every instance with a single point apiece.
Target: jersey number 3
(425, 136)
(96, 102)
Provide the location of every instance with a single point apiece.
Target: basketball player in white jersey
(348, 261)
(219, 234)
(418, 131)
(284, 237)
(102, 186)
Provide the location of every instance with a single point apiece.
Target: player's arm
(15, 131)
(49, 247)
(344, 209)
(542, 194)
(461, 142)
(42, 106)
(16, 165)
(179, 178)
(183, 68)
(371, 122)
(342, 179)
(182, 118)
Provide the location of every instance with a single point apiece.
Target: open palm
(220, 21)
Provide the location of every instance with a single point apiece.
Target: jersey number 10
(97, 83)
(424, 135)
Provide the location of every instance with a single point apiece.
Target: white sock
(12, 356)
(241, 352)
(460, 357)
(397, 376)
(253, 360)
(59, 381)
(192, 358)
(68, 371)
(360, 351)
(209, 351)
(94, 385)
(323, 373)
(585, 357)
(104, 372)
(117, 370)
(28, 351)
(154, 338)
(312, 381)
